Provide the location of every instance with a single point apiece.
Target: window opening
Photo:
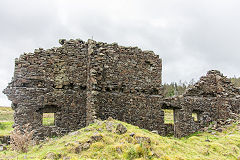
(195, 116)
(168, 116)
(48, 119)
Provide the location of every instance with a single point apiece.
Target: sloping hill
(113, 139)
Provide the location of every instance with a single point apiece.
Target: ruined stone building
(212, 98)
(82, 81)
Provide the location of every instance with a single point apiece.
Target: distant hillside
(111, 140)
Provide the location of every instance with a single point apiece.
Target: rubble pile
(220, 125)
(214, 84)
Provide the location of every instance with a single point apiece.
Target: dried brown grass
(21, 138)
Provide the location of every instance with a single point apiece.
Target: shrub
(21, 138)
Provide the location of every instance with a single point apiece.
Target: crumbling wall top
(214, 84)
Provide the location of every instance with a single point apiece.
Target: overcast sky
(191, 36)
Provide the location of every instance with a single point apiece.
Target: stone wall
(81, 81)
(53, 80)
(212, 98)
(121, 73)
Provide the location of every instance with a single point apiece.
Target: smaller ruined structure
(212, 98)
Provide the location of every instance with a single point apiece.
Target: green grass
(194, 115)
(225, 145)
(168, 116)
(5, 128)
(6, 120)
(222, 146)
(6, 114)
(48, 119)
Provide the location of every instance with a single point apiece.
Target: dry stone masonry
(212, 98)
(83, 81)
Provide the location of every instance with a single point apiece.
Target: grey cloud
(190, 36)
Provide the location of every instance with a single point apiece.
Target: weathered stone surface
(213, 98)
(96, 138)
(5, 139)
(155, 131)
(121, 129)
(2, 147)
(74, 133)
(52, 155)
(66, 158)
(82, 81)
(132, 134)
(109, 126)
(119, 150)
(82, 147)
(143, 139)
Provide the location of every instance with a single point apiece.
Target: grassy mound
(110, 140)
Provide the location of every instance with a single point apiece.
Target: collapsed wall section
(212, 98)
